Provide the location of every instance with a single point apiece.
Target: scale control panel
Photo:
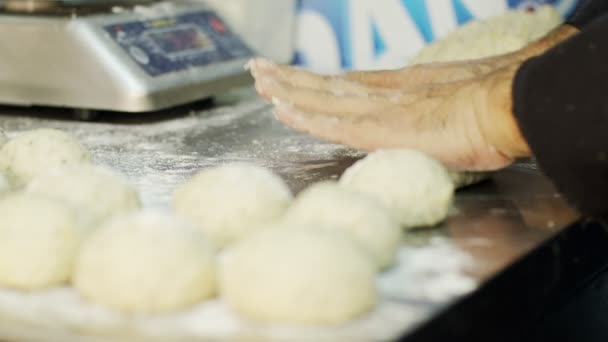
(172, 44)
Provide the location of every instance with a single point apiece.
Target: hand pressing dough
(362, 217)
(298, 275)
(37, 151)
(495, 36)
(97, 192)
(230, 202)
(484, 38)
(39, 240)
(414, 187)
(145, 262)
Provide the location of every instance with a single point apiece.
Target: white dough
(295, 275)
(464, 179)
(5, 186)
(494, 36)
(37, 151)
(145, 262)
(97, 192)
(414, 187)
(3, 138)
(39, 239)
(232, 201)
(484, 38)
(364, 218)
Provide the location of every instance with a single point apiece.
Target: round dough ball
(416, 188)
(232, 201)
(34, 152)
(494, 36)
(298, 276)
(145, 262)
(3, 138)
(5, 186)
(98, 192)
(39, 240)
(464, 179)
(362, 217)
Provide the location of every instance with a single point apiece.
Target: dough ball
(39, 240)
(464, 179)
(145, 262)
(494, 36)
(416, 188)
(5, 186)
(295, 275)
(97, 192)
(231, 201)
(36, 151)
(3, 138)
(362, 217)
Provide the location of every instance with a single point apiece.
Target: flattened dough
(494, 36)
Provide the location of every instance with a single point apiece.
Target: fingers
(265, 69)
(345, 131)
(327, 103)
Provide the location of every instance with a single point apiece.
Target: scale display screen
(170, 44)
(180, 40)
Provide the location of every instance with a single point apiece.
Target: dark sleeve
(561, 105)
(587, 11)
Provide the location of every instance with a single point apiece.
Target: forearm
(561, 107)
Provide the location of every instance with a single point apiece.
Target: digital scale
(118, 55)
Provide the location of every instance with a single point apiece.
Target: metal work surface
(492, 224)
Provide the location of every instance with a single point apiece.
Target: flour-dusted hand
(466, 124)
(458, 112)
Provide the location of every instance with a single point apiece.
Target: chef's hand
(460, 113)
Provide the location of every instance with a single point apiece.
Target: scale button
(139, 55)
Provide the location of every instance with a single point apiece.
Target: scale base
(132, 60)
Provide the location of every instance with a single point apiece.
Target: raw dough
(484, 38)
(97, 192)
(298, 275)
(464, 179)
(366, 219)
(145, 262)
(3, 138)
(5, 186)
(39, 239)
(36, 151)
(232, 201)
(494, 36)
(416, 188)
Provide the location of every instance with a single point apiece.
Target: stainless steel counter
(492, 223)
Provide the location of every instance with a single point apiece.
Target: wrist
(545, 43)
(495, 114)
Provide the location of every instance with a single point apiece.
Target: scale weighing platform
(126, 56)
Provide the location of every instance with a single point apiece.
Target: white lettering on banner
(482, 9)
(317, 42)
(443, 20)
(394, 25)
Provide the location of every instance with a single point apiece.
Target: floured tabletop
(491, 225)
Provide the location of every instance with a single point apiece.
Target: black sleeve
(587, 11)
(561, 104)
